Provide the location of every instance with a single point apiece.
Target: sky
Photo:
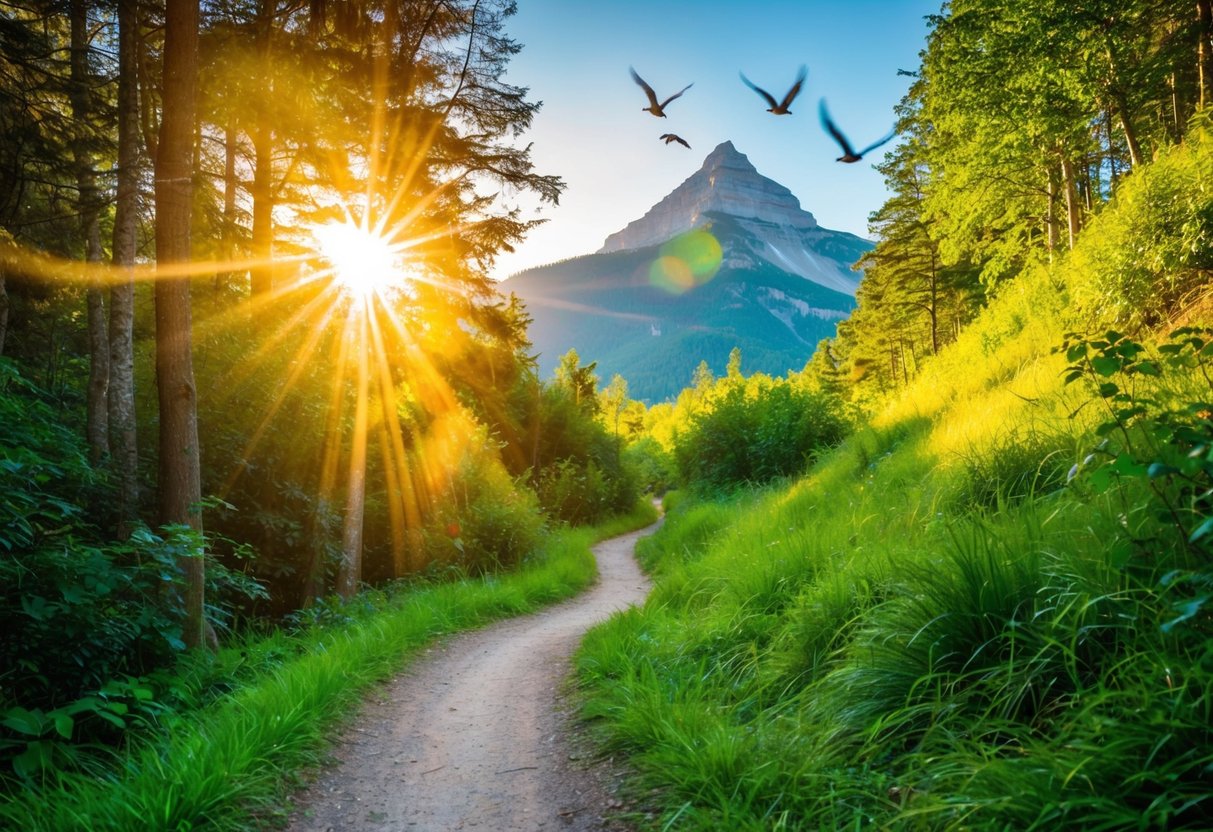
(592, 132)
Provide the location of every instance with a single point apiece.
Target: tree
(180, 478)
(81, 85)
(579, 381)
(123, 440)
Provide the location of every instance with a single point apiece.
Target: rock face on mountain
(727, 259)
(726, 184)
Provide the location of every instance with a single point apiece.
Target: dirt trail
(472, 735)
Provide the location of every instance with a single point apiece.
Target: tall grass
(230, 761)
(933, 629)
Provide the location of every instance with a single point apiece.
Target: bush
(484, 520)
(756, 431)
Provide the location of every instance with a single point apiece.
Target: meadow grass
(228, 764)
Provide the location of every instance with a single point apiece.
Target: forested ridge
(953, 574)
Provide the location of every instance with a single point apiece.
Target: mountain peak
(727, 156)
(726, 183)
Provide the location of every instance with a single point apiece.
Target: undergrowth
(266, 707)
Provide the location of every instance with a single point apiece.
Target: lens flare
(687, 261)
(363, 263)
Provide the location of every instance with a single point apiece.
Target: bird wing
(833, 130)
(647, 89)
(770, 98)
(682, 142)
(795, 90)
(879, 142)
(675, 95)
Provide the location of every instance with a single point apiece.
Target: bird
(848, 153)
(657, 109)
(779, 108)
(670, 137)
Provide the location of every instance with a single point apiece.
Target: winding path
(472, 734)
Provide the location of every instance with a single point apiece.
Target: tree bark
(1204, 49)
(261, 275)
(350, 570)
(1052, 233)
(227, 242)
(97, 425)
(180, 478)
(1072, 206)
(1121, 107)
(123, 442)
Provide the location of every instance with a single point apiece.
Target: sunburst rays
(361, 330)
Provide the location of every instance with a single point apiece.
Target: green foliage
(485, 521)
(1151, 257)
(1158, 439)
(756, 431)
(234, 755)
(85, 616)
(581, 475)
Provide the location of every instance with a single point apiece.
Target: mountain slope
(728, 259)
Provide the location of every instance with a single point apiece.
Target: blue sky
(593, 133)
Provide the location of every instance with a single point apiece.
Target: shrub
(755, 432)
(484, 519)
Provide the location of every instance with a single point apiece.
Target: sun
(363, 263)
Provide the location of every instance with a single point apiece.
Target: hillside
(987, 609)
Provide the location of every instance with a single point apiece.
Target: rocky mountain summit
(727, 259)
(727, 183)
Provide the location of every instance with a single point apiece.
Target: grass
(233, 760)
(933, 629)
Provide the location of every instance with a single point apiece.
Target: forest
(267, 429)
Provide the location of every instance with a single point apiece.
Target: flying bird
(779, 108)
(670, 137)
(848, 153)
(656, 108)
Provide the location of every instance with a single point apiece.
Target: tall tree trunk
(934, 309)
(1052, 233)
(90, 227)
(180, 479)
(1120, 106)
(1072, 207)
(122, 291)
(227, 242)
(261, 274)
(1204, 49)
(350, 570)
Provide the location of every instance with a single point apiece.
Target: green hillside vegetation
(990, 606)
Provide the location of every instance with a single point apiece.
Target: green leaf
(1127, 466)
(1105, 365)
(64, 725)
(34, 759)
(24, 722)
(1108, 388)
